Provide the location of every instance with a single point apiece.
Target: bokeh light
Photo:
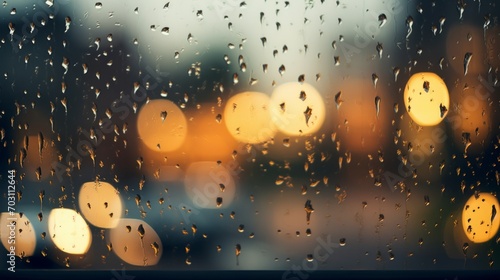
(426, 98)
(100, 204)
(162, 125)
(136, 242)
(248, 117)
(18, 232)
(479, 217)
(297, 108)
(69, 231)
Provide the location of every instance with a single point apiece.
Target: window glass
(225, 135)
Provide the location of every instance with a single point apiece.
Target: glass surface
(298, 139)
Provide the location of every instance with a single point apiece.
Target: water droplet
(238, 249)
(461, 9)
(381, 217)
(165, 30)
(380, 50)
(336, 60)
(302, 95)
(282, 70)
(441, 24)
(141, 231)
(466, 140)
(409, 25)
(434, 29)
(374, 80)
(67, 21)
(395, 72)
(443, 110)
(65, 65)
(218, 118)
(467, 59)
(163, 116)
(309, 210)
(308, 114)
(342, 242)
(382, 18)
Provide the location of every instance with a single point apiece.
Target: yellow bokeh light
(162, 125)
(131, 247)
(100, 204)
(297, 108)
(18, 232)
(426, 98)
(248, 119)
(203, 184)
(69, 231)
(479, 219)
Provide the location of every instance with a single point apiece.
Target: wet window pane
(298, 138)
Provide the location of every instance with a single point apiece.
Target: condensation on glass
(255, 135)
